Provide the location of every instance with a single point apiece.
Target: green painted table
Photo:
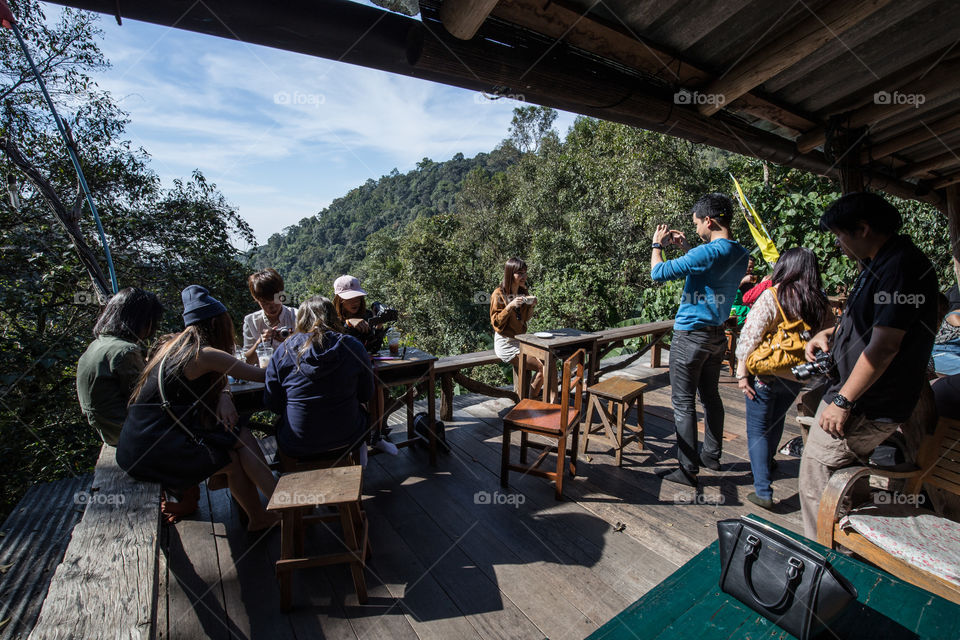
(689, 603)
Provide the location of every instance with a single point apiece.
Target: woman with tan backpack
(771, 342)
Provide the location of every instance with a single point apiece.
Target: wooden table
(550, 351)
(413, 368)
(689, 603)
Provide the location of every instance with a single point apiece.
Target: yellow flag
(757, 229)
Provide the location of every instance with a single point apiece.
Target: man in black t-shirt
(880, 347)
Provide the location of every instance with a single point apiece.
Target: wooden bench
(611, 339)
(106, 584)
(449, 370)
(33, 540)
(939, 466)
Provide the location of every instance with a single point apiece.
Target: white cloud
(281, 133)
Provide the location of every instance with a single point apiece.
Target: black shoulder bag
(157, 445)
(787, 582)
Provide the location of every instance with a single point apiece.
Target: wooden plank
(615, 43)
(465, 361)
(912, 137)
(940, 161)
(939, 81)
(247, 572)
(477, 597)
(552, 555)
(115, 588)
(650, 527)
(780, 52)
(33, 540)
(195, 599)
(428, 608)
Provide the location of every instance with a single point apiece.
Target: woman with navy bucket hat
(195, 364)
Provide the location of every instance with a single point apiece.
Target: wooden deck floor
(455, 557)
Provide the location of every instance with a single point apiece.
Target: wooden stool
(619, 393)
(295, 496)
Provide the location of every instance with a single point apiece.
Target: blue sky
(283, 134)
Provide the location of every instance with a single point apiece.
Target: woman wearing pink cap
(350, 301)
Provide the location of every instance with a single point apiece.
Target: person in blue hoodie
(317, 380)
(713, 271)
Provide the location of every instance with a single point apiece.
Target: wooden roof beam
(916, 136)
(785, 50)
(947, 181)
(462, 18)
(936, 83)
(937, 162)
(558, 20)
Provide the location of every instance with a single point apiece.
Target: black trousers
(696, 357)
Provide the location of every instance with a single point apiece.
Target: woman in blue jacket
(317, 380)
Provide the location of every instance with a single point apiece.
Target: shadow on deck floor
(455, 556)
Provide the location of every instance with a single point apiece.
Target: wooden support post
(843, 148)
(953, 218)
(446, 396)
(462, 18)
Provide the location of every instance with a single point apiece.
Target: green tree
(161, 239)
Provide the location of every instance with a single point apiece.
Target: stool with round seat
(612, 398)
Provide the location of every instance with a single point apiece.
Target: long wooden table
(689, 604)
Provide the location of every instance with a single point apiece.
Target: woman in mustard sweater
(510, 308)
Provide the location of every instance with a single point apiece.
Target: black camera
(382, 315)
(284, 332)
(821, 366)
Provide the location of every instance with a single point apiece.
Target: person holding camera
(713, 271)
(511, 307)
(796, 293)
(879, 349)
(368, 325)
(274, 322)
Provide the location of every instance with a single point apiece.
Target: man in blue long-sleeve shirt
(713, 271)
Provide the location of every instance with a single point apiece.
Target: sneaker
(680, 476)
(766, 503)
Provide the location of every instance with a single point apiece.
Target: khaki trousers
(822, 455)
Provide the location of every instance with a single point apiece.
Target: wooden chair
(733, 334)
(554, 421)
(938, 466)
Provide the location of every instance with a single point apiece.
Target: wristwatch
(656, 245)
(842, 402)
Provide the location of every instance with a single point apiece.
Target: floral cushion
(918, 537)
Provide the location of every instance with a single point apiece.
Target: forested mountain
(332, 242)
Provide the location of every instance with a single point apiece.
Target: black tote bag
(784, 580)
(157, 445)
